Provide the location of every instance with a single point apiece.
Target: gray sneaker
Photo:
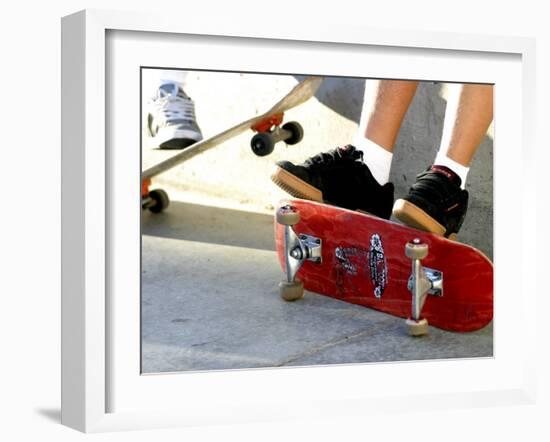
(171, 120)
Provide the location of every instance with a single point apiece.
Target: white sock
(172, 76)
(462, 171)
(376, 158)
(153, 78)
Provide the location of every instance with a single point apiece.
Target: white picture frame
(89, 359)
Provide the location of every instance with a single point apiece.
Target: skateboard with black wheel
(269, 130)
(380, 264)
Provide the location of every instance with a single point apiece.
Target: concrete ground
(209, 272)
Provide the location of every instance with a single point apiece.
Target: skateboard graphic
(269, 130)
(376, 263)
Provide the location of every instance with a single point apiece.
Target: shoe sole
(168, 138)
(177, 143)
(414, 216)
(295, 186)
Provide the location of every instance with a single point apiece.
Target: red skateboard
(365, 260)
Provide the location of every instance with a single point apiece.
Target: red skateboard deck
(364, 262)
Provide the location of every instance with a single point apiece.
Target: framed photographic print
(223, 259)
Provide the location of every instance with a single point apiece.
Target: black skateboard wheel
(262, 144)
(296, 130)
(161, 200)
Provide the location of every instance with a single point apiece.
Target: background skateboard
(363, 261)
(268, 126)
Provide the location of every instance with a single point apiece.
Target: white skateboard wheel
(287, 216)
(417, 328)
(291, 291)
(416, 251)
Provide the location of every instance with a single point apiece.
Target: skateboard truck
(297, 249)
(422, 282)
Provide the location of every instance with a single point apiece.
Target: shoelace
(430, 183)
(175, 108)
(333, 156)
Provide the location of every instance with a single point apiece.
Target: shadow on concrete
(193, 222)
(343, 95)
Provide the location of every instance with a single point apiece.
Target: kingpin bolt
(296, 253)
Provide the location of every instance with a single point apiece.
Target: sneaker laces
(347, 153)
(436, 184)
(174, 106)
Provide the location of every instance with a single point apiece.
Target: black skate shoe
(435, 202)
(337, 177)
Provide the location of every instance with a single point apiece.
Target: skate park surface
(210, 297)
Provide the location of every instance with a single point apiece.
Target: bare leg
(468, 116)
(439, 205)
(385, 105)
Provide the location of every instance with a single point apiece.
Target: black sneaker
(338, 177)
(435, 203)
